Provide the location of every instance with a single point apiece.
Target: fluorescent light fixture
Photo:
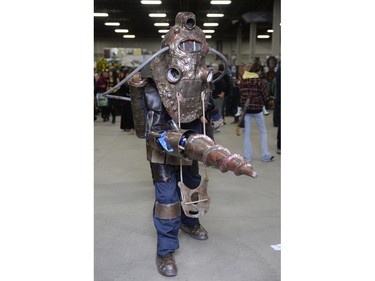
(129, 36)
(270, 30)
(100, 15)
(161, 24)
(163, 30)
(208, 31)
(151, 2)
(210, 24)
(221, 2)
(121, 30)
(157, 15)
(112, 23)
(263, 36)
(215, 15)
(208, 36)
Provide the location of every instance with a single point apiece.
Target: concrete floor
(243, 220)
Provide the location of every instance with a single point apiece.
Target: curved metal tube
(224, 60)
(155, 55)
(135, 71)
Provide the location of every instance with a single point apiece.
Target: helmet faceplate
(182, 69)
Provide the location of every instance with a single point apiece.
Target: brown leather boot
(195, 231)
(166, 265)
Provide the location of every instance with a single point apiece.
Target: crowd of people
(228, 95)
(106, 107)
(249, 93)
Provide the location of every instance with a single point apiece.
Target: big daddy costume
(169, 103)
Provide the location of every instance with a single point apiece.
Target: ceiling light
(221, 2)
(157, 15)
(129, 36)
(161, 24)
(263, 36)
(151, 2)
(208, 36)
(121, 30)
(270, 30)
(112, 23)
(208, 31)
(163, 30)
(210, 24)
(100, 15)
(215, 15)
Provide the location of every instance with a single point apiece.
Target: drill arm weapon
(189, 145)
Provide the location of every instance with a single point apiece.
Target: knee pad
(167, 211)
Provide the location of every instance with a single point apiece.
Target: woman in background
(102, 86)
(254, 94)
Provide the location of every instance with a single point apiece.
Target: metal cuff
(168, 211)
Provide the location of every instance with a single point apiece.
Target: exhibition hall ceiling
(134, 16)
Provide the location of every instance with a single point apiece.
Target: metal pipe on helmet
(135, 71)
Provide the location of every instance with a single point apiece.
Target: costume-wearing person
(252, 87)
(169, 103)
(168, 214)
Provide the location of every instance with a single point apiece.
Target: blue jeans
(248, 151)
(169, 192)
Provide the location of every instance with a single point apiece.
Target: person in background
(227, 79)
(211, 113)
(278, 108)
(253, 89)
(95, 91)
(236, 108)
(127, 122)
(101, 87)
(218, 91)
(114, 105)
(260, 72)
